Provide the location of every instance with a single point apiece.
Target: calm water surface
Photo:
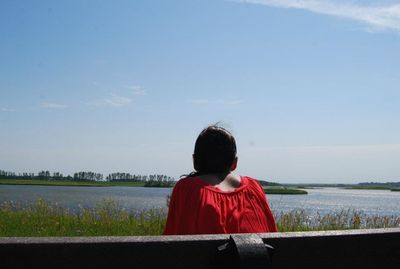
(323, 200)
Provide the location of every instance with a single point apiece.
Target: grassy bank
(72, 183)
(288, 191)
(109, 219)
(368, 188)
(384, 188)
(299, 220)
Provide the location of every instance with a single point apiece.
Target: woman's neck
(223, 181)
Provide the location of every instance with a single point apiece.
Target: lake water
(325, 200)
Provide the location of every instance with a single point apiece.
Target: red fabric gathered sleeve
(183, 209)
(172, 225)
(270, 217)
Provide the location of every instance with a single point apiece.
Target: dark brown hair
(214, 151)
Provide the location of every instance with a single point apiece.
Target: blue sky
(310, 89)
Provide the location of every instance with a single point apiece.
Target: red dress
(199, 208)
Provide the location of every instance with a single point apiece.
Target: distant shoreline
(284, 191)
(273, 189)
(71, 183)
(360, 186)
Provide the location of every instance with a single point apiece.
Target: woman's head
(214, 151)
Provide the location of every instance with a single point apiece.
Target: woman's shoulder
(252, 183)
(250, 180)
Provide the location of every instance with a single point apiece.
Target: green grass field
(298, 220)
(109, 219)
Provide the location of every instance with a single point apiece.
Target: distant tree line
(380, 184)
(159, 181)
(88, 176)
(150, 180)
(125, 177)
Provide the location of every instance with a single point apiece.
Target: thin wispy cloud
(230, 102)
(53, 106)
(376, 16)
(112, 101)
(199, 101)
(7, 109)
(133, 89)
(136, 89)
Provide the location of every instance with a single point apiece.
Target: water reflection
(135, 199)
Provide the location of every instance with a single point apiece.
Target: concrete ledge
(377, 248)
